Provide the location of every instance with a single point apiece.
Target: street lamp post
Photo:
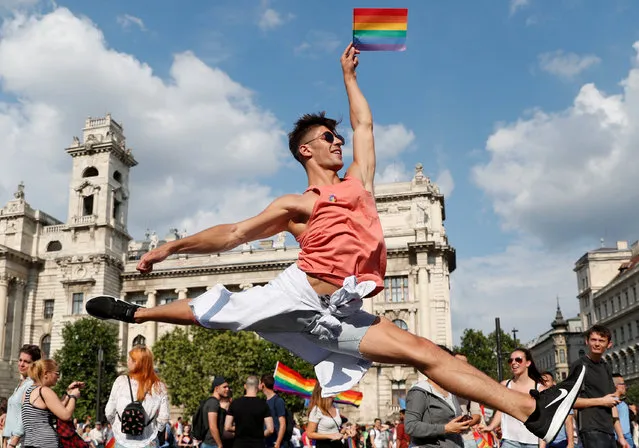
(98, 413)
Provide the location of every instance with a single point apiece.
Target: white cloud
(569, 175)
(516, 5)
(200, 138)
(126, 21)
(271, 19)
(17, 5)
(317, 43)
(393, 172)
(446, 183)
(519, 285)
(392, 140)
(566, 65)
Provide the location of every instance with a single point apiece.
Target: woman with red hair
(141, 384)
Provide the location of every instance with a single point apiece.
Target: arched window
(401, 324)
(139, 340)
(45, 345)
(117, 176)
(90, 172)
(54, 246)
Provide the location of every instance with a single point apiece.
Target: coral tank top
(343, 236)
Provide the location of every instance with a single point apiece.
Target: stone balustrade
(89, 219)
(54, 229)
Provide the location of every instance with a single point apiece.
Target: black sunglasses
(328, 136)
(518, 360)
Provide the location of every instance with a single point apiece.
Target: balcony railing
(82, 220)
(54, 229)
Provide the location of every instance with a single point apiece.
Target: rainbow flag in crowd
(291, 382)
(110, 443)
(380, 29)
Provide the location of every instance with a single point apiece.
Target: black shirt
(248, 415)
(212, 405)
(597, 383)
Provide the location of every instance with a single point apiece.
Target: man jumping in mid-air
(313, 308)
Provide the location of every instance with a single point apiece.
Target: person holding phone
(41, 405)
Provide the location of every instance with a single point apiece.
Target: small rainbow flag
(291, 382)
(110, 443)
(380, 29)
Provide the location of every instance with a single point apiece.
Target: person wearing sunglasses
(525, 377)
(314, 307)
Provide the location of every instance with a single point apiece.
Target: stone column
(182, 293)
(18, 318)
(153, 326)
(4, 303)
(412, 323)
(424, 302)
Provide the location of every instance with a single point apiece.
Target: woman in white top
(147, 388)
(526, 377)
(324, 422)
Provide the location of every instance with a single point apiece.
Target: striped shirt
(38, 432)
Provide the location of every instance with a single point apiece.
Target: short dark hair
(617, 375)
(304, 124)
(380, 420)
(402, 411)
(268, 381)
(32, 350)
(600, 330)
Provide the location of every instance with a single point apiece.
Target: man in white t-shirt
(379, 437)
(97, 435)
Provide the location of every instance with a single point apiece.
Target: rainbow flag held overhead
(291, 382)
(380, 29)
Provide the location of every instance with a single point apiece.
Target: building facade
(50, 267)
(608, 282)
(555, 350)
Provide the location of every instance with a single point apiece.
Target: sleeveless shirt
(38, 431)
(343, 236)
(513, 429)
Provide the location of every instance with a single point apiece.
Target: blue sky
(524, 110)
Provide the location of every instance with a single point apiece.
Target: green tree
(481, 350)
(78, 361)
(188, 359)
(632, 394)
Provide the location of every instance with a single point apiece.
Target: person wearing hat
(97, 435)
(219, 390)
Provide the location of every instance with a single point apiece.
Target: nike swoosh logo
(562, 395)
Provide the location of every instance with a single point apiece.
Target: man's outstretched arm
(274, 219)
(363, 166)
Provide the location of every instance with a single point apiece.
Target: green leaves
(189, 358)
(481, 350)
(78, 361)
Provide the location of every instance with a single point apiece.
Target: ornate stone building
(48, 268)
(559, 347)
(608, 281)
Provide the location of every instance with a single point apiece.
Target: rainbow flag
(380, 29)
(110, 443)
(291, 382)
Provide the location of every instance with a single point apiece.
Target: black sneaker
(553, 406)
(107, 307)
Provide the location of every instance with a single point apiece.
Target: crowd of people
(434, 417)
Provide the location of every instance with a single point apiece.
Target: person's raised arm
(53, 403)
(363, 166)
(274, 219)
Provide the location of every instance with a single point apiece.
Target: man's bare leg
(178, 312)
(385, 342)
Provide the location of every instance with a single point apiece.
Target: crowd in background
(34, 416)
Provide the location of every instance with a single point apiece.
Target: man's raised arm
(274, 219)
(361, 117)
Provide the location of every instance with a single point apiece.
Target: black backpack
(200, 421)
(133, 418)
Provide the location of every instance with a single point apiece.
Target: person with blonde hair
(41, 404)
(141, 384)
(324, 421)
